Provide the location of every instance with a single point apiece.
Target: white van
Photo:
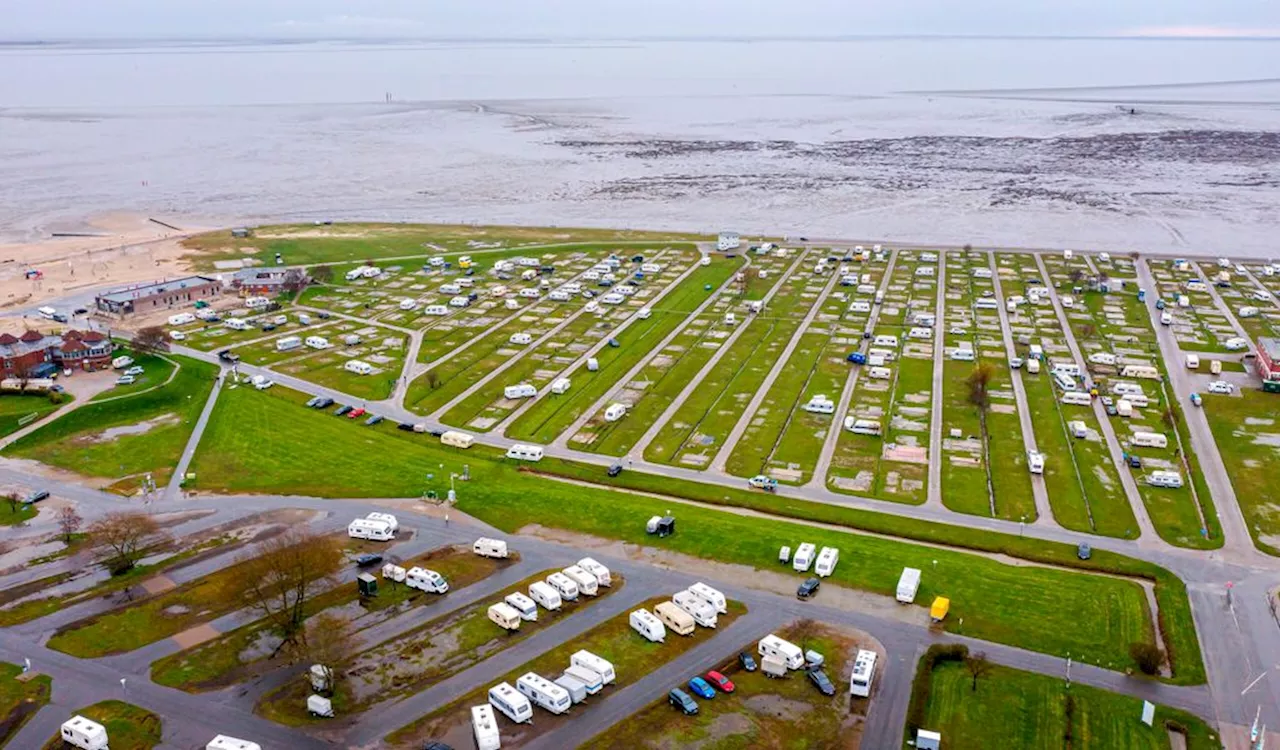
(485, 727)
(1149, 440)
(84, 733)
(803, 557)
(674, 618)
(425, 580)
(544, 693)
(596, 569)
(560, 386)
(386, 518)
(1193, 361)
(504, 616)
(564, 586)
(486, 547)
(908, 585)
(785, 651)
(358, 367)
(525, 452)
(702, 612)
(825, 564)
(181, 319)
(710, 596)
(363, 528)
(1076, 398)
(643, 622)
(523, 390)
(522, 604)
(864, 669)
(1164, 479)
(455, 439)
(545, 595)
(587, 583)
(224, 742)
(590, 661)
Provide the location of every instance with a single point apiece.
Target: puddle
(141, 428)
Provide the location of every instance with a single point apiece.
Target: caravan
(504, 616)
(288, 343)
(1147, 372)
(825, 564)
(820, 405)
(600, 572)
(1149, 440)
(590, 661)
(1164, 479)
(615, 412)
(564, 586)
(522, 452)
(589, 678)
(864, 670)
(710, 596)
(522, 604)
(224, 742)
(435, 310)
(674, 618)
(386, 518)
(84, 734)
(487, 547)
(908, 585)
(702, 612)
(363, 528)
(587, 583)
(644, 623)
(523, 390)
(455, 439)
(426, 580)
(545, 595)
(317, 342)
(771, 646)
(560, 386)
(1077, 398)
(485, 727)
(543, 693)
(862, 426)
(358, 367)
(1064, 381)
(803, 557)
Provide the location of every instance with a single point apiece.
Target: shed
(367, 584)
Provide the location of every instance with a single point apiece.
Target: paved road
(933, 493)
(189, 452)
(1220, 304)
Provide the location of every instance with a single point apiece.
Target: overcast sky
(55, 19)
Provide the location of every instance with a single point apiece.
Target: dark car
(371, 421)
(1134, 461)
(226, 355)
(324, 403)
(808, 588)
(322, 315)
(368, 559)
(1111, 410)
(1084, 551)
(821, 681)
(437, 746)
(615, 470)
(747, 661)
(35, 497)
(341, 411)
(406, 426)
(81, 311)
(436, 433)
(61, 318)
(269, 326)
(311, 402)
(681, 700)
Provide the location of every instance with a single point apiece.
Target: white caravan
(1164, 479)
(358, 367)
(224, 742)
(525, 452)
(485, 727)
(363, 528)
(386, 518)
(522, 604)
(908, 585)
(643, 622)
(510, 703)
(486, 547)
(786, 651)
(544, 594)
(589, 678)
(564, 586)
(1149, 440)
(702, 612)
(600, 666)
(425, 580)
(587, 583)
(615, 412)
(504, 616)
(864, 670)
(862, 426)
(803, 557)
(523, 390)
(596, 569)
(710, 596)
(560, 386)
(825, 564)
(84, 733)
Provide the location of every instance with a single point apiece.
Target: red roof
(92, 336)
(31, 337)
(72, 334)
(72, 346)
(8, 338)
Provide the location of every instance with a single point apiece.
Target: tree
(68, 522)
(13, 498)
(1087, 330)
(804, 630)
(150, 339)
(433, 379)
(276, 579)
(979, 381)
(121, 539)
(294, 281)
(330, 641)
(321, 274)
(1077, 275)
(1148, 657)
(978, 666)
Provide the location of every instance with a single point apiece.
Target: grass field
(12, 516)
(19, 699)
(156, 370)
(631, 655)
(150, 429)
(128, 726)
(1245, 428)
(16, 410)
(1015, 709)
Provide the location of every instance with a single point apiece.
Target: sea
(1164, 145)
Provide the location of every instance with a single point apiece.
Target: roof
(30, 341)
(31, 336)
(156, 287)
(1270, 347)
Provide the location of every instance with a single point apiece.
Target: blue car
(701, 688)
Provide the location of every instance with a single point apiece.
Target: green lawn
(1016, 709)
(17, 410)
(12, 516)
(156, 371)
(128, 726)
(19, 699)
(1245, 428)
(161, 420)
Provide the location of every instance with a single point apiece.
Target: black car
(808, 588)
(269, 326)
(368, 559)
(437, 746)
(81, 311)
(615, 470)
(371, 421)
(1135, 461)
(821, 681)
(747, 661)
(682, 700)
(35, 497)
(324, 403)
(342, 410)
(322, 315)
(406, 426)
(226, 355)
(436, 433)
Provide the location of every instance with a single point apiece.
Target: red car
(355, 413)
(720, 681)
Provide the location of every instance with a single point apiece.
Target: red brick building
(1269, 358)
(34, 354)
(88, 350)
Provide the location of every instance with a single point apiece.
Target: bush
(923, 683)
(1147, 656)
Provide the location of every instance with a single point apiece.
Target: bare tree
(330, 641)
(150, 340)
(68, 522)
(805, 630)
(294, 281)
(978, 666)
(13, 498)
(433, 379)
(121, 539)
(979, 383)
(321, 274)
(277, 579)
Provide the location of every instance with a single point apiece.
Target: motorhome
(455, 439)
(803, 557)
(545, 595)
(614, 412)
(600, 666)
(84, 733)
(596, 569)
(711, 596)
(1077, 398)
(358, 367)
(426, 580)
(560, 386)
(703, 613)
(587, 583)
(674, 618)
(523, 605)
(487, 547)
(544, 693)
(646, 624)
(317, 342)
(288, 343)
(363, 528)
(1149, 440)
(771, 646)
(523, 390)
(825, 563)
(504, 616)
(908, 585)
(1164, 479)
(522, 452)
(484, 725)
(226, 742)
(864, 670)
(564, 586)
(1124, 407)
(862, 426)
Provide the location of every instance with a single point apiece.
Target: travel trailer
(543, 693)
(358, 367)
(1164, 479)
(1149, 440)
(908, 585)
(862, 426)
(711, 596)
(484, 725)
(510, 703)
(487, 547)
(785, 651)
(590, 661)
(317, 342)
(864, 669)
(363, 528)
(564, 586)
(674, 618)
(84, 733)
(825, 563)
(523, 390)
(426, 580)
(288, 343)
(596, 569)
(702, 613)
(587, 583)
(803, 557)
(525, 452)
(504, 616)
(560, 386)
(524, 605)
(615, 412)
(646, 624)
(455, 439)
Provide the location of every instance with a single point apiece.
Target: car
(1084, 551)
(436, 433)
(437, 746)
(355, 413)
(701, 688)
(177, 335)
(368, 559)
(80, 311)
(125, 380)
(322, 315)
(268, 326)
(724, 684)
(988, 293)
(372, 420)
(324, 403)
(1015, 362)
(1134, 461)
(747, 661)
(312, 402)
(1221, 386)
(1195, 399)
(35, 497)
(1111, 410)
(342, 410)
(1108, 401)
(615, 470)
(681, 700)
(821, 681)
(406, 426)
(958, 331)
(808, 588)
(226, 355)
(135, 370)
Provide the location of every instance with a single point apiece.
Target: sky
(76, 19)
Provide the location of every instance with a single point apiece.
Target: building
(262, 282)
(1269, 359)
(37, 355)
(159, 295)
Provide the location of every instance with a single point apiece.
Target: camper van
(363, 528)
(596, 569)
(510, 703)
(862, 426)
(674, 618)
(710, 596)
(523, 390)
(703, 613)
(225, 742)
(771, 646)
(644, 623)
(288, 343)
(908, 585)
(545, 595)
(590, 661)
(1076, 398)
(543, 693)
(564, 586)
(825, 564)
(615, 412)
(587, 583)
(486, 547)
(426, 580)
(504, 616)
(864, 670)
(1149, 440)
(455, 439)
(1164, 479)
(525, 452)
(358, 367)
(84, 734)
(803, 557)
(484, 725)
(560, 386)
(522, 604)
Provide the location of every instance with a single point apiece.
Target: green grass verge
(128, 726)
(1244, 427)
(16, 410)
(19, 699)
(156, 370)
